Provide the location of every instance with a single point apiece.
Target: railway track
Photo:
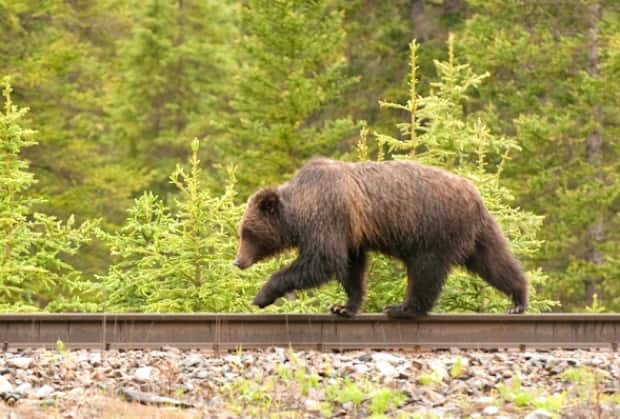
(322, 332)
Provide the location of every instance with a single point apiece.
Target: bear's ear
(268, 201)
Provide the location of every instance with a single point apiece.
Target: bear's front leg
(303, 273)
(354, 284)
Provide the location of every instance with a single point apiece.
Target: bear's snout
(241, 264)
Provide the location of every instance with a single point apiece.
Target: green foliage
(172, 83)
(514, 392)
(596, 306)
(427, 379)
(586, 376)
(377, 34)
(246, 397)
(179, 258)
(457, 368)
(383, 399)
(115, 88)
(351, 392)
(33, 272)
(553, 84)
(59, 55)
(531, 397)
(293, 54)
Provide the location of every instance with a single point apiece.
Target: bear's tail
(495, 263)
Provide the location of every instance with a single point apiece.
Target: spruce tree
(554, 79)
(178, 258)
(59, 57)
(173, 81)
(34, 273)
(291, 73)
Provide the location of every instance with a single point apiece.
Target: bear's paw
(402, 311)
(342, 311)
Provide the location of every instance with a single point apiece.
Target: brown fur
(335, 212)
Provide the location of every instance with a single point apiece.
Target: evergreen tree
(173, 81)
(33, 272)
(554, 85)
(179, 259)
(58, 54)
(378, 34)
(292, 70)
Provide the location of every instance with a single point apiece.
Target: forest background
(149, 123)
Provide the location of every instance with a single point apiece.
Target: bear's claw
(517, 309)
(342, 311)
(401, 311)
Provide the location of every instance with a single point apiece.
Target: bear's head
(261, 231)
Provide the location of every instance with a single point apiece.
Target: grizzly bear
(335, 212)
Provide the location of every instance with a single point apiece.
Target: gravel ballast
(202, 383)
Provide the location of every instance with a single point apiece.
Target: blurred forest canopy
(110, 205)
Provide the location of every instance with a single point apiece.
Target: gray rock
(360, 369)
(403, 374)
(556, 370)
(20, 362)
(5, 385)
(365, 357)
(192, 360)
(312, 405)
(202, 374)
(485, 400)
(348, 406)
(76, 394)
(539, 414)
(433, 398)
(43, 392)
(146, 374)
(490, 411)
(24, 388)
(386, 357)
(457, 386)
(95, 359)
(148, 398)
(438, 368)
(386, 369)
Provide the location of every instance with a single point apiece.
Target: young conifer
(33, 272)
(178, 257)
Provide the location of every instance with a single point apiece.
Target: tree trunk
(425, 17)
(594, 151)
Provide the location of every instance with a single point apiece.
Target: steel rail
(314, 331)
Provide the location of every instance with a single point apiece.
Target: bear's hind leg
(426, 274)
(499, 268)
(354, 284)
